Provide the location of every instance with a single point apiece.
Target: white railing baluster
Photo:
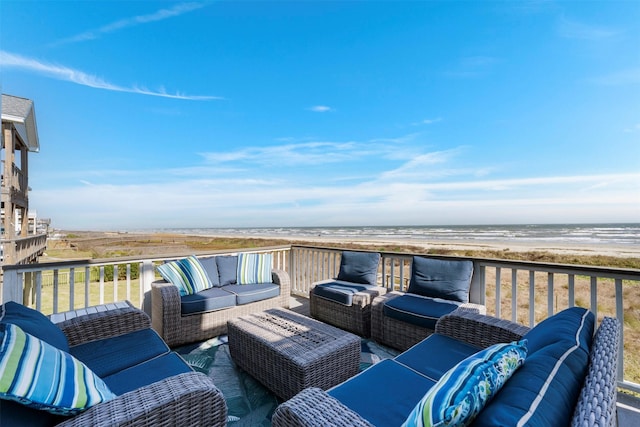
(72, 289)
(594, 295)
(128, 282)
(498, 292)
(514, 295)
(550, 295)
(102, 284)
(115, 283)
(532, 298)
(571, 281)
(55, 290)
(87, 279)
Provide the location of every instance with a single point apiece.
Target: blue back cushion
(34, 323)
(227, 269)
(545, 390)
(211, 267)
(359, 267)
(438, 278)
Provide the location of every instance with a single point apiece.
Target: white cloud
(577, 30)
(159, 15)
(60, 72)
(320, 109)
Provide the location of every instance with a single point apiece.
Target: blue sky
(318, 113)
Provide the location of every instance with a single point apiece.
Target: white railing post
(12, 286)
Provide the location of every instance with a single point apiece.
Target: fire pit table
(289, 352)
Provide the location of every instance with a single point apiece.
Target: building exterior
(20, 241)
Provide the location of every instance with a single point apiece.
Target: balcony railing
(526, 292)
(23, 249)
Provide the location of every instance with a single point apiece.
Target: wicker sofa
(152, 385)
(437, 287)
(181, 319)
(568, 376)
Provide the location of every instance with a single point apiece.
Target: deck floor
(628, 405)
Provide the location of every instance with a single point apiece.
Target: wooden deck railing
(526, 292)
(23, 249)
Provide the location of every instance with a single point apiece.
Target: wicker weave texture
(289, 352)
(315, 408)
(478, 329)
(354, 318)
(103, 322)
(176, 329)
(189, 399)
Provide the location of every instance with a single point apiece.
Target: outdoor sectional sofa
(221, 288)
(128, 373)
(568, 377)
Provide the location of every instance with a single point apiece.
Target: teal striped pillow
(43, 377)
(187, 274)
(254, 268)
(459, 396)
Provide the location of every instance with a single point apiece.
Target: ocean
(565, 234)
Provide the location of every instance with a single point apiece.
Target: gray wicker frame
(596, 405)
(187, 399)
(176, 329)
(289, 352)
(354, 318)
(398, 334)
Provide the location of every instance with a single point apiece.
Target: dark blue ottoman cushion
(384, 394)
(359, 267)
(545, 389)
(438, 278)
(246, 294)
(418, 310)
(146, 373)
(340, 292)
(208, 300)
(107, 356)
(34, 323)
(435, 355)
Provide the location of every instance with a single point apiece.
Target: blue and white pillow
(459, 396)
(254, 268)
(187, 274)
(43, 377)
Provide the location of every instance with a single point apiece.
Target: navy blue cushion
(13, 414)
(359, 267)
(146, 373)
(438, 278)
(208, 300)
(385, 394)
(435, 355)
(545, 389)
(246, 294)
(211, 267)
(227, 269)
(339, 292)
(34, 323)
(107, 356)
(417, 310)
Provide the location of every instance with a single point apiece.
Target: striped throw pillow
(43, 377)
(459, 396)
(187, 274)
(254, 268)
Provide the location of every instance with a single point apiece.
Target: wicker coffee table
(288, 352)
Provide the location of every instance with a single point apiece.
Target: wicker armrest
(478, 329)
(189, 399)
(313, 407)
(99, 322)
(281, 278)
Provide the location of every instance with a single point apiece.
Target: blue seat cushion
(208, 300)
(246, 294)
(359, 267)
(545, 389)
(107, 356)
(429, 358)
(211, 267)
(33, 323)
(146, 373)
(418, 310)
(340, 292)
(384, 394)
(438, 278)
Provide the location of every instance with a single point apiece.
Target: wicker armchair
(596, 405)
(345, 302)
(437, 287)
